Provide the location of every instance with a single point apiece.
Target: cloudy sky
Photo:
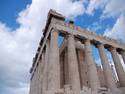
(21, 23)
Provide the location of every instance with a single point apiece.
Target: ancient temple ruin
(69, 67)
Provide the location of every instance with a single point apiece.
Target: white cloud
(15, 60)
(110, 8)
(118, 30)
(18, 47)
(16, 90)
(114, 8)
(95, 4)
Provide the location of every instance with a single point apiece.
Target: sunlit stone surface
(69, 67)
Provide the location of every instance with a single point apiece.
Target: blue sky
(91, 21)
(10, 10)
(21, 23)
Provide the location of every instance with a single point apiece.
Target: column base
(55, 91)
(67, 90)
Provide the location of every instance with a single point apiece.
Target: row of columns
(106, 68)
(118, 66)
(54, 65)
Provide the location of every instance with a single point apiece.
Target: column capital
(98, 45)
(87, 40)
(54, 33)
(54, 30)
(68, 35)
(112, 49)
(121, 51)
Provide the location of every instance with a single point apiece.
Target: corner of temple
(64, 62)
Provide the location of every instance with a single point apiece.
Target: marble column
(106, 68)
(92, 71)
(82, 68)
(73, 65)
(62, 80)
(41, 63)
(41, 67)
(45, 69)
(53, 62)
(66, 72)
(36, 80)
(39, 78)
(123, 55)
(118, 66)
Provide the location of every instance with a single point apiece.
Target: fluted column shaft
(106, 68)
(73, 65)
(66, 72)
(53, 62)
(118, 66)
(82, 68)
(92, 72)
(45, 69)
(123, 56)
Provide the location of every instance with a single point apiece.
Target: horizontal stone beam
(83, 34)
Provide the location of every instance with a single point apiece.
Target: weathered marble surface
(70, 68)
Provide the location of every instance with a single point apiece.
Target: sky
(21, 24)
